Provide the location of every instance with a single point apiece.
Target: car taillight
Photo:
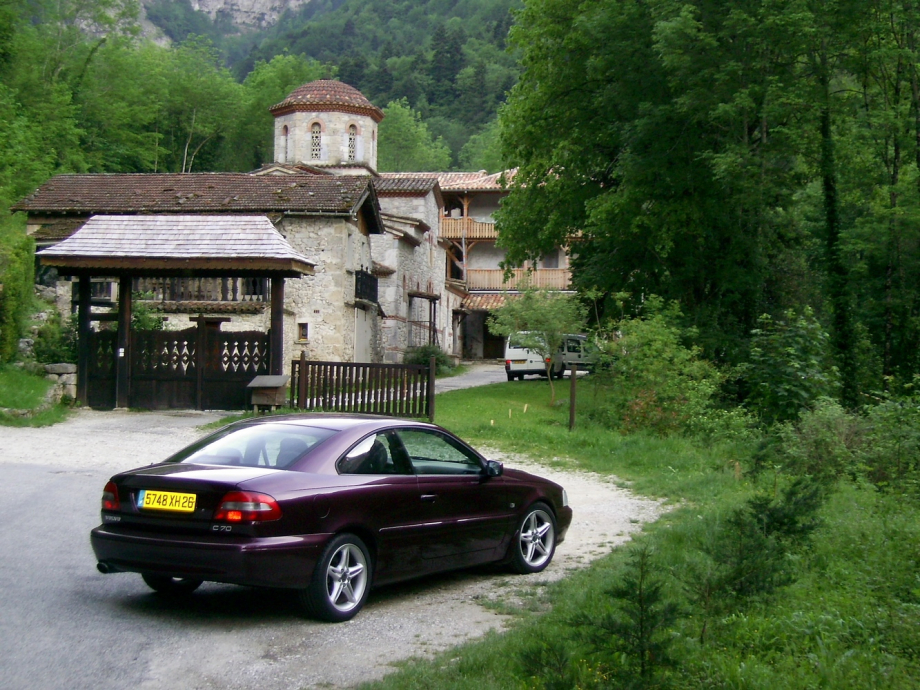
(245, 506)
(110, 497)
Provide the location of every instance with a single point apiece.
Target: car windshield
(262, 445)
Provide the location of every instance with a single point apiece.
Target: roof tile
(196, 193)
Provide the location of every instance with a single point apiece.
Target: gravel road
(227, 641)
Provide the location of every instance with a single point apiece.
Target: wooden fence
(396, 390)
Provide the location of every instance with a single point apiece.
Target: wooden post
(201, 359)
(122, 348)
(83, 335)
(276, 337)
(574, 379)
(432, 370)
(301, 382)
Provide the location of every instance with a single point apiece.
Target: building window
(352, 142)
(303, 331)
(284, 150)
(316, 141)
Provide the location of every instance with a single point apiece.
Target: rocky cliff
(247, 13)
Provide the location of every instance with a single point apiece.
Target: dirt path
(280, 650)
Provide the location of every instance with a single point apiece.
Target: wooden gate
(198, 367)
(100, 390)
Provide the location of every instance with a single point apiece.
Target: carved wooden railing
(203, 289)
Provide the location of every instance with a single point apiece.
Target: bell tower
(327, 124)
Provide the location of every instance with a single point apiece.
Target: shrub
(649, 379)
(56, 340)
(790, 366)
(826, 442)
(423, 354)
(891, 453)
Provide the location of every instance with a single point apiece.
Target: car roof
(336, 421)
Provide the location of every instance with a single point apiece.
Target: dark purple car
(326, 505)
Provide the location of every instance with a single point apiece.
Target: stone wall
(325, 300)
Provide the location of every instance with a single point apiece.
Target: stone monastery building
(357, 266)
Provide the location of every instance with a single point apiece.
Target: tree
(483, 151)
(268, 84)
(406, 144)
(539, 320)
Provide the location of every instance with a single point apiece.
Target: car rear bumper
(264, 562)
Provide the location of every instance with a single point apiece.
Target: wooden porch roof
(169, 244)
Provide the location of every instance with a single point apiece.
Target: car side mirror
(494, 468)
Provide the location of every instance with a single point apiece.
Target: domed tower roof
(327, 95)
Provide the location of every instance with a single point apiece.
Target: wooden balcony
(455, 228)
(494, 279)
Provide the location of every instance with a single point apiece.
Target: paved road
(478, 375)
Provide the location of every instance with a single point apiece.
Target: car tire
(341, 580)
(173, 586)
(510, 376)
(535, 540)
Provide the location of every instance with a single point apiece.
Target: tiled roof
(56, 229)
(487, 301)
(327, 95)
(197, 193)
(475, 181)
(182, 241)
(404, 184)
(457, 181)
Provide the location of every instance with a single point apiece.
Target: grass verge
(841, 609)
(20, 390)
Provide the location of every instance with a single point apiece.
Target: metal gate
(200, 367)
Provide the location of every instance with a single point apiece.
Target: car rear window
(264, 445)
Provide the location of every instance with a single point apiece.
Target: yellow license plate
(166, 500)
(519, 361)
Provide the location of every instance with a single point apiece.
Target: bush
(790, 366)
(56, 341)
(891, 453)
(826, 442)
(422, 355)
(649, 379)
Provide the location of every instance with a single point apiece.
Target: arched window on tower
(284, 149)
(316, 149)
(352, 142)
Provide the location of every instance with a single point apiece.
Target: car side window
(377, 454)
(433, 453)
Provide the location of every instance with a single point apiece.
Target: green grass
(849, 618)
(20, 390)
(53, 415)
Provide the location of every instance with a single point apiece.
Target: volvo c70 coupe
(327, 506)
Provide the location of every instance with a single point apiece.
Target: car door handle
(429, 498)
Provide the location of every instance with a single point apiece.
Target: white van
(520, 362)
(575, 349)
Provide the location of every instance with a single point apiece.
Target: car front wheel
(535, 541)
(341, 581)
(171, 585)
